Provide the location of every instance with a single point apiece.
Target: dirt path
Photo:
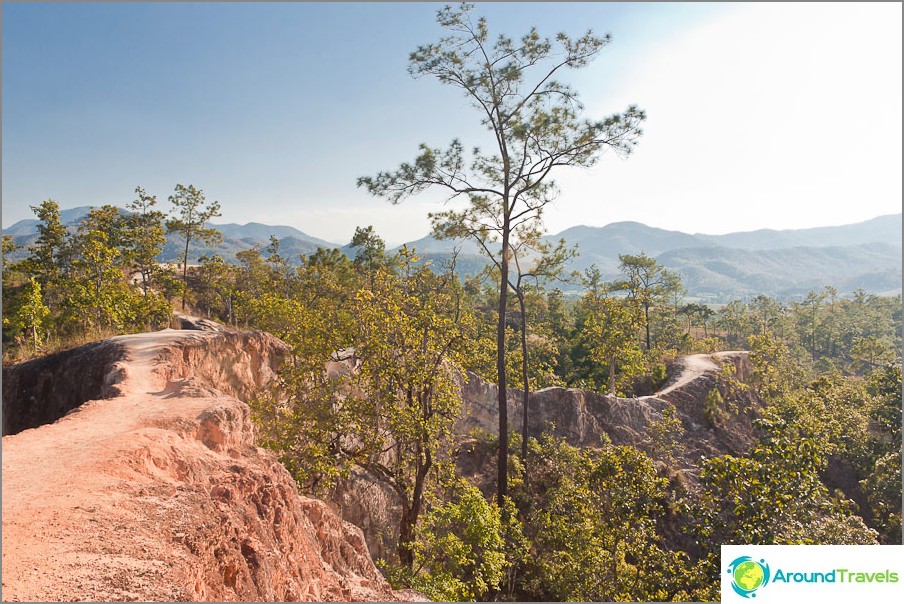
(160, 494)
(49, 474)
(694, 366)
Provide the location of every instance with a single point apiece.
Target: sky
(760, 115)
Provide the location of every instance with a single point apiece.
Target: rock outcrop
(586, 419)
(583, 418)
(133, 475)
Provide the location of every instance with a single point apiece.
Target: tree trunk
(502, 457)
(646, 320)
(405, 549)
(612, 375)
(410, 514)
(525, 397)
(185, 270)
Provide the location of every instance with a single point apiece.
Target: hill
(714, 268)
(236, 238)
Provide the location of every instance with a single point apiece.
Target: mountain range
(785, 264)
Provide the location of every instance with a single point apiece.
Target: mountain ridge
(785, 263)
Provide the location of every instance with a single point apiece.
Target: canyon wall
(152, 488)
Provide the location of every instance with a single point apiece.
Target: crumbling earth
(158, 492)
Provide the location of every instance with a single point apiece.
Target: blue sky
(760, 115)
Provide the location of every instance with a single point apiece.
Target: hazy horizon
(224, 220)
(275, 109)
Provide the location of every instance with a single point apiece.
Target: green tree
(768, 313)
(534, 262)
(734, 319)
(611, 329)
(98, 296)
(370, 250)
(459, 554)
(774, 496)
(48, 255)
(30, 315)
(647, 283)
(870, 352)
(406, 333)
(591, 520)
(412, 336)
(213, 281)
(146, 236)
(536, 126)
(190, 215)
(279, 265)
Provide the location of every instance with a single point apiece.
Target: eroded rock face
(43, 390)
(159, 493)
(583, 418)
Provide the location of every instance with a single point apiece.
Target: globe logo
(748, 575)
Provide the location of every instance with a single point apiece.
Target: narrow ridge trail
(693, 367)
(50, 472)
(159, 492)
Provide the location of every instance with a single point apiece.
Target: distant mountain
(601, 246)
(29, 226)
(236, 238)
(431, 245)
(785, 264)
(885, 229)
(718, 273)
(262, 232)
(714, 268)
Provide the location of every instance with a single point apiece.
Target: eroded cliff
(134, 475)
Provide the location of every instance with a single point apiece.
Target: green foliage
(714, 411)
(773, 370)
(404, 330)
(47, 256)
(145, 237)
(460, 552)
(28, 319)
(590, 517)
(774, 496)
(77, 285)
(666, 436)
(370, 249)
(884, 386)
(648, 284)
(191, 213)
(610, 328)
(883, 492)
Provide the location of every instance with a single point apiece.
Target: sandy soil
(694, 366)
(160, 494)
(50, 535)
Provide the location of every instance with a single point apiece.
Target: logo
(748, 575)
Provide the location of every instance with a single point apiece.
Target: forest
(613, 523)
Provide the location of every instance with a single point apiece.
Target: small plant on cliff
(666, 436)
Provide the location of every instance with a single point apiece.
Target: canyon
(131, 471)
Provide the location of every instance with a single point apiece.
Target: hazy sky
(766, 115)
